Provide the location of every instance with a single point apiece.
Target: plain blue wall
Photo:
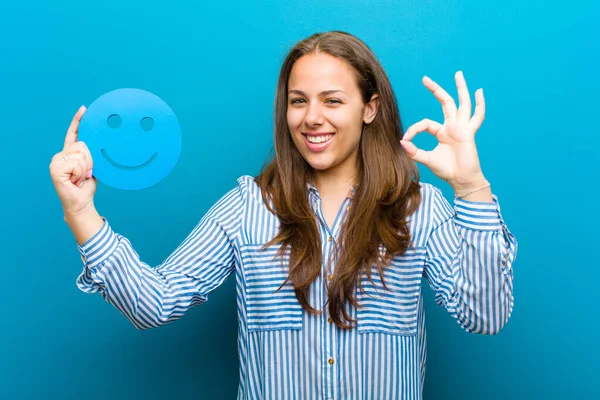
(216, 65)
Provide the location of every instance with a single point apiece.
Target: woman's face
(326, 112)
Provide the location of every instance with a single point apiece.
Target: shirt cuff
(99, 247)
(478, 215)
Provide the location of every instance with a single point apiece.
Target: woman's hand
(455, 158)
(71, 172)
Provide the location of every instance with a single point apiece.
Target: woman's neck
(334, 182)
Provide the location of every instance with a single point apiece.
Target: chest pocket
(268, 308)
(393, 310)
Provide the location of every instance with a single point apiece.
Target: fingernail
(89, 174)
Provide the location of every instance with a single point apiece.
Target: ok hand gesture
(455, 158)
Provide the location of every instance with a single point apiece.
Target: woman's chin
(320, 163)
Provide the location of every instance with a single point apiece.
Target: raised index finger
(73, 128)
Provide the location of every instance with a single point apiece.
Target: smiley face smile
(127, 167)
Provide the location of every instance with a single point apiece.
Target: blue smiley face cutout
(134, 138)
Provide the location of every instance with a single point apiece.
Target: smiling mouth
(127, 167)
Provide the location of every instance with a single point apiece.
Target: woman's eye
(297, 101)
(332, 101)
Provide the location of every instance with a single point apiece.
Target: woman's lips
(322, 145)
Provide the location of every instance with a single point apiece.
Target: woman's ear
(371, 109)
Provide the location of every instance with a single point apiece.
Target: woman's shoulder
(246, 180)
(431, 195)
(434, 204)
(248, 186)
(246, 190)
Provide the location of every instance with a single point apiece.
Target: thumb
(415, 153)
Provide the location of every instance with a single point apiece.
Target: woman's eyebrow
(323, 93)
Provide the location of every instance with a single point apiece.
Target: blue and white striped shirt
(465, 254)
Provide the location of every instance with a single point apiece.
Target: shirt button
(329, 239)
(331, 361)
(330, 320)
(329, 277)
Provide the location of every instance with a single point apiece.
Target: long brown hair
(386, 194)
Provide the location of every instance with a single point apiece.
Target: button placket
(329, 330)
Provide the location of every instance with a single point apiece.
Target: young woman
(329, 243)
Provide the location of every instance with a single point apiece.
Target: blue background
(216, 65)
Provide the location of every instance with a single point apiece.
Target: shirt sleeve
(153, 296)
(470, 253)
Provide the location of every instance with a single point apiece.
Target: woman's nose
(314, 116)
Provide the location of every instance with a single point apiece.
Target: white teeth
(318, 139)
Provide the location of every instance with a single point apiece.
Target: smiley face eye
(114, 121)
(147, 124)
